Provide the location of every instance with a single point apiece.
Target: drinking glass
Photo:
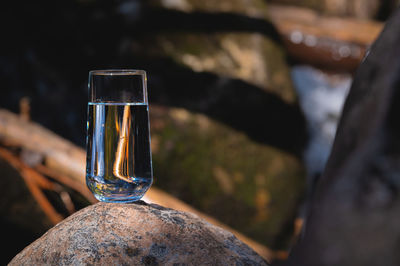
(118, 166)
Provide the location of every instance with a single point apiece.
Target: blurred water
(321, 98)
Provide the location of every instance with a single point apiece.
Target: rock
(251, 57)
(224, 64)
(228, 38)
(354, 217)
(136, 234)
(249, 186)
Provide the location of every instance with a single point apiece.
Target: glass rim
(117, 72)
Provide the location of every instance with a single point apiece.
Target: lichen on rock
(136, 234)
(252, 187)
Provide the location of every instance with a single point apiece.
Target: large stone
(231, 39)
(136, 234)
(251, 57)
(252, 187)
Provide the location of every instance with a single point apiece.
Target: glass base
(120, 191)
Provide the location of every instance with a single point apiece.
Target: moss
(249, 186)
(250, 57)
(279, 74)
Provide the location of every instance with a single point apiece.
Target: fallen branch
(35, 182)
(72, 183)
(330, 42)
(59, 154)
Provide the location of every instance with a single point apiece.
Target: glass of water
(118, 167)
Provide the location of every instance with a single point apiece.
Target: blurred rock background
(244, 105)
